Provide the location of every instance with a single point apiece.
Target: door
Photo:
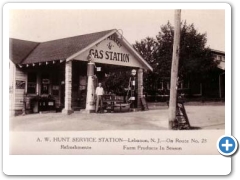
(82, 91)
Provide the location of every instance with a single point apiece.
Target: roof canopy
(27, 52)
(20, 49)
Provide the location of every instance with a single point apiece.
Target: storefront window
(32, 83)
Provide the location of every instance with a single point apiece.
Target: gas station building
(62, 73)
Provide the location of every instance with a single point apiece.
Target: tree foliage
(116, 82)
(195, 61)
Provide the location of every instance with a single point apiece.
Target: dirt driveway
(204, 117)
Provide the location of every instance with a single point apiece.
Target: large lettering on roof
(110, 55)
(111, 51)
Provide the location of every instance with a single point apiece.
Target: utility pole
(174, 70)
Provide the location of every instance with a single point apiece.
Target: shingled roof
(59, 49)
(20, 49)
(27, 52)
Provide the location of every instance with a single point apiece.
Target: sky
(45, 25)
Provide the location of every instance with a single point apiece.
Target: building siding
(19, 93)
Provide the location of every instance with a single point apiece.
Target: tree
(195, 62)
(117, 82)
(146, 48)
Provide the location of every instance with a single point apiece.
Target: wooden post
(90, 107)
(68, 89)
(174, 70)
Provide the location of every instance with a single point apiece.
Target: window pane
(32, 77)
(195, 88)
(31, 89)
(160, 86)
(185, 85)
(45, 88)
(32, 82)
(55, 79)
(45, 84)
(179, 85)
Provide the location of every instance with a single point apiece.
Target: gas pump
(132, 87)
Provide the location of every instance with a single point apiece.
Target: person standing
(99, 93)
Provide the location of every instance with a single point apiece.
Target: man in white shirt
(99, 93)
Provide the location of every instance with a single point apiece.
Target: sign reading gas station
(109, 55)
(111, 51)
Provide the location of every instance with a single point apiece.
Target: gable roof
(61, 49)
(123, 41)
(214, 51)
(20, 49)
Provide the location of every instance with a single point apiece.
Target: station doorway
(116, 80)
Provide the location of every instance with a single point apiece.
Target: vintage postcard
(98, 79)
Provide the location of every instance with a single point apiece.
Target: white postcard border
(114, 164)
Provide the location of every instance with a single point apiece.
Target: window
(55, 90)
(181, 85)
(220, 58)
(160, 86)
(185, 85)
(55, 83)
(45, 84)
(32, 83)
(196, 88)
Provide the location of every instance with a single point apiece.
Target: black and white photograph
(118, 89)
(116, 81)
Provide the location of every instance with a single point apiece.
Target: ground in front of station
(200, 116)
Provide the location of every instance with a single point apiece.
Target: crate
(121, 107)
